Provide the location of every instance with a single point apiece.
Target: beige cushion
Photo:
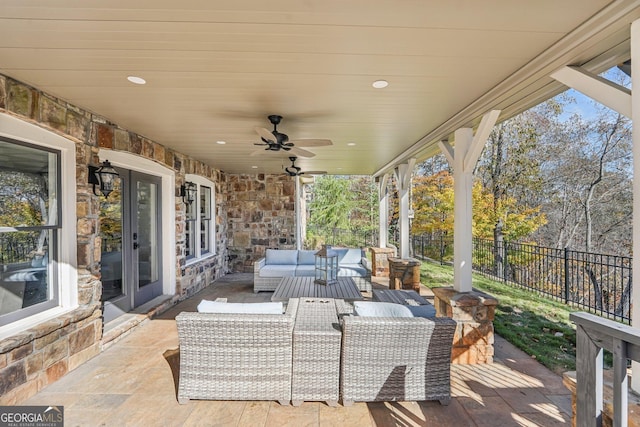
(381, 309)
(207, 306)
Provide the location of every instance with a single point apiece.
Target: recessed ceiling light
(254, 167)
(379, 84)
(136, 80)
(351, 144)
(221, 142)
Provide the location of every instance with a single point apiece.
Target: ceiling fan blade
(312, 142)
(265, 134)
(300, 152)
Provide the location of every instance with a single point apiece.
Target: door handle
(135, 245)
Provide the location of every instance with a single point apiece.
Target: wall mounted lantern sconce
(103, 176)
(188, 192)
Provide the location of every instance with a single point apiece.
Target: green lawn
(537, 325)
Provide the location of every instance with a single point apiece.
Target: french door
(130, 227)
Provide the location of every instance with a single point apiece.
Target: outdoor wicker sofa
(278, 263)
(236, 356)
(396, 359)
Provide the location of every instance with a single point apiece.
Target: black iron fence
(317, 236)
(595, 282)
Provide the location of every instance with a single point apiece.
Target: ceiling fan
(276, 141)
(294, 170)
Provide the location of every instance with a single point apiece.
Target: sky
(586, 106)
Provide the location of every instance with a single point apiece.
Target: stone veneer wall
(34, 358)
(261, 215)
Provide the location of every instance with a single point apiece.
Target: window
(205, 219)
(30, 229)
(199, 223)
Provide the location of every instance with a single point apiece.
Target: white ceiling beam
(606, 92)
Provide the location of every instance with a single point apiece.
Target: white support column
(298, 213)
(403, 178)
(383, 214)
(635, 118)
(463, 158)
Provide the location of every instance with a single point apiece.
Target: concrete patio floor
(133, 383)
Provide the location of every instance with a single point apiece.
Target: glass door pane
(111, 233)
(147, 234)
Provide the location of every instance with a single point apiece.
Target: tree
(346, 202)
(587, 190)
(433, 206)
(509, 167)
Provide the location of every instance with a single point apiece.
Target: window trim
(15, 129)
(198, 256)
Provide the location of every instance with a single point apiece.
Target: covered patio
(134, 383)
(199, 107)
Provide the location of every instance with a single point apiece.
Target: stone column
(474, 312)
(380, 261)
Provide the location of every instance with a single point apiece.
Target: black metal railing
(340, 237)
(597, 282)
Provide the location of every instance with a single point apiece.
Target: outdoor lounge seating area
(513, 391)
(375, 352)
(278, 263)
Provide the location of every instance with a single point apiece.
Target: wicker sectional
(316, 351)
(236, 356)
(269, 270)
(396, 359)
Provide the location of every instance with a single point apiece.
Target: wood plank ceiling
(215, 69)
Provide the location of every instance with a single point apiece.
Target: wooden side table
(404, 273)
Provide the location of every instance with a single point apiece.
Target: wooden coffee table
(304, 287)
(399, 297)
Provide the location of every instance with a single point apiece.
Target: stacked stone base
(40, 356)
(473, 312)
(380, 261)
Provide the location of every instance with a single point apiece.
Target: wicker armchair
(236, 356)
(396, 359)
